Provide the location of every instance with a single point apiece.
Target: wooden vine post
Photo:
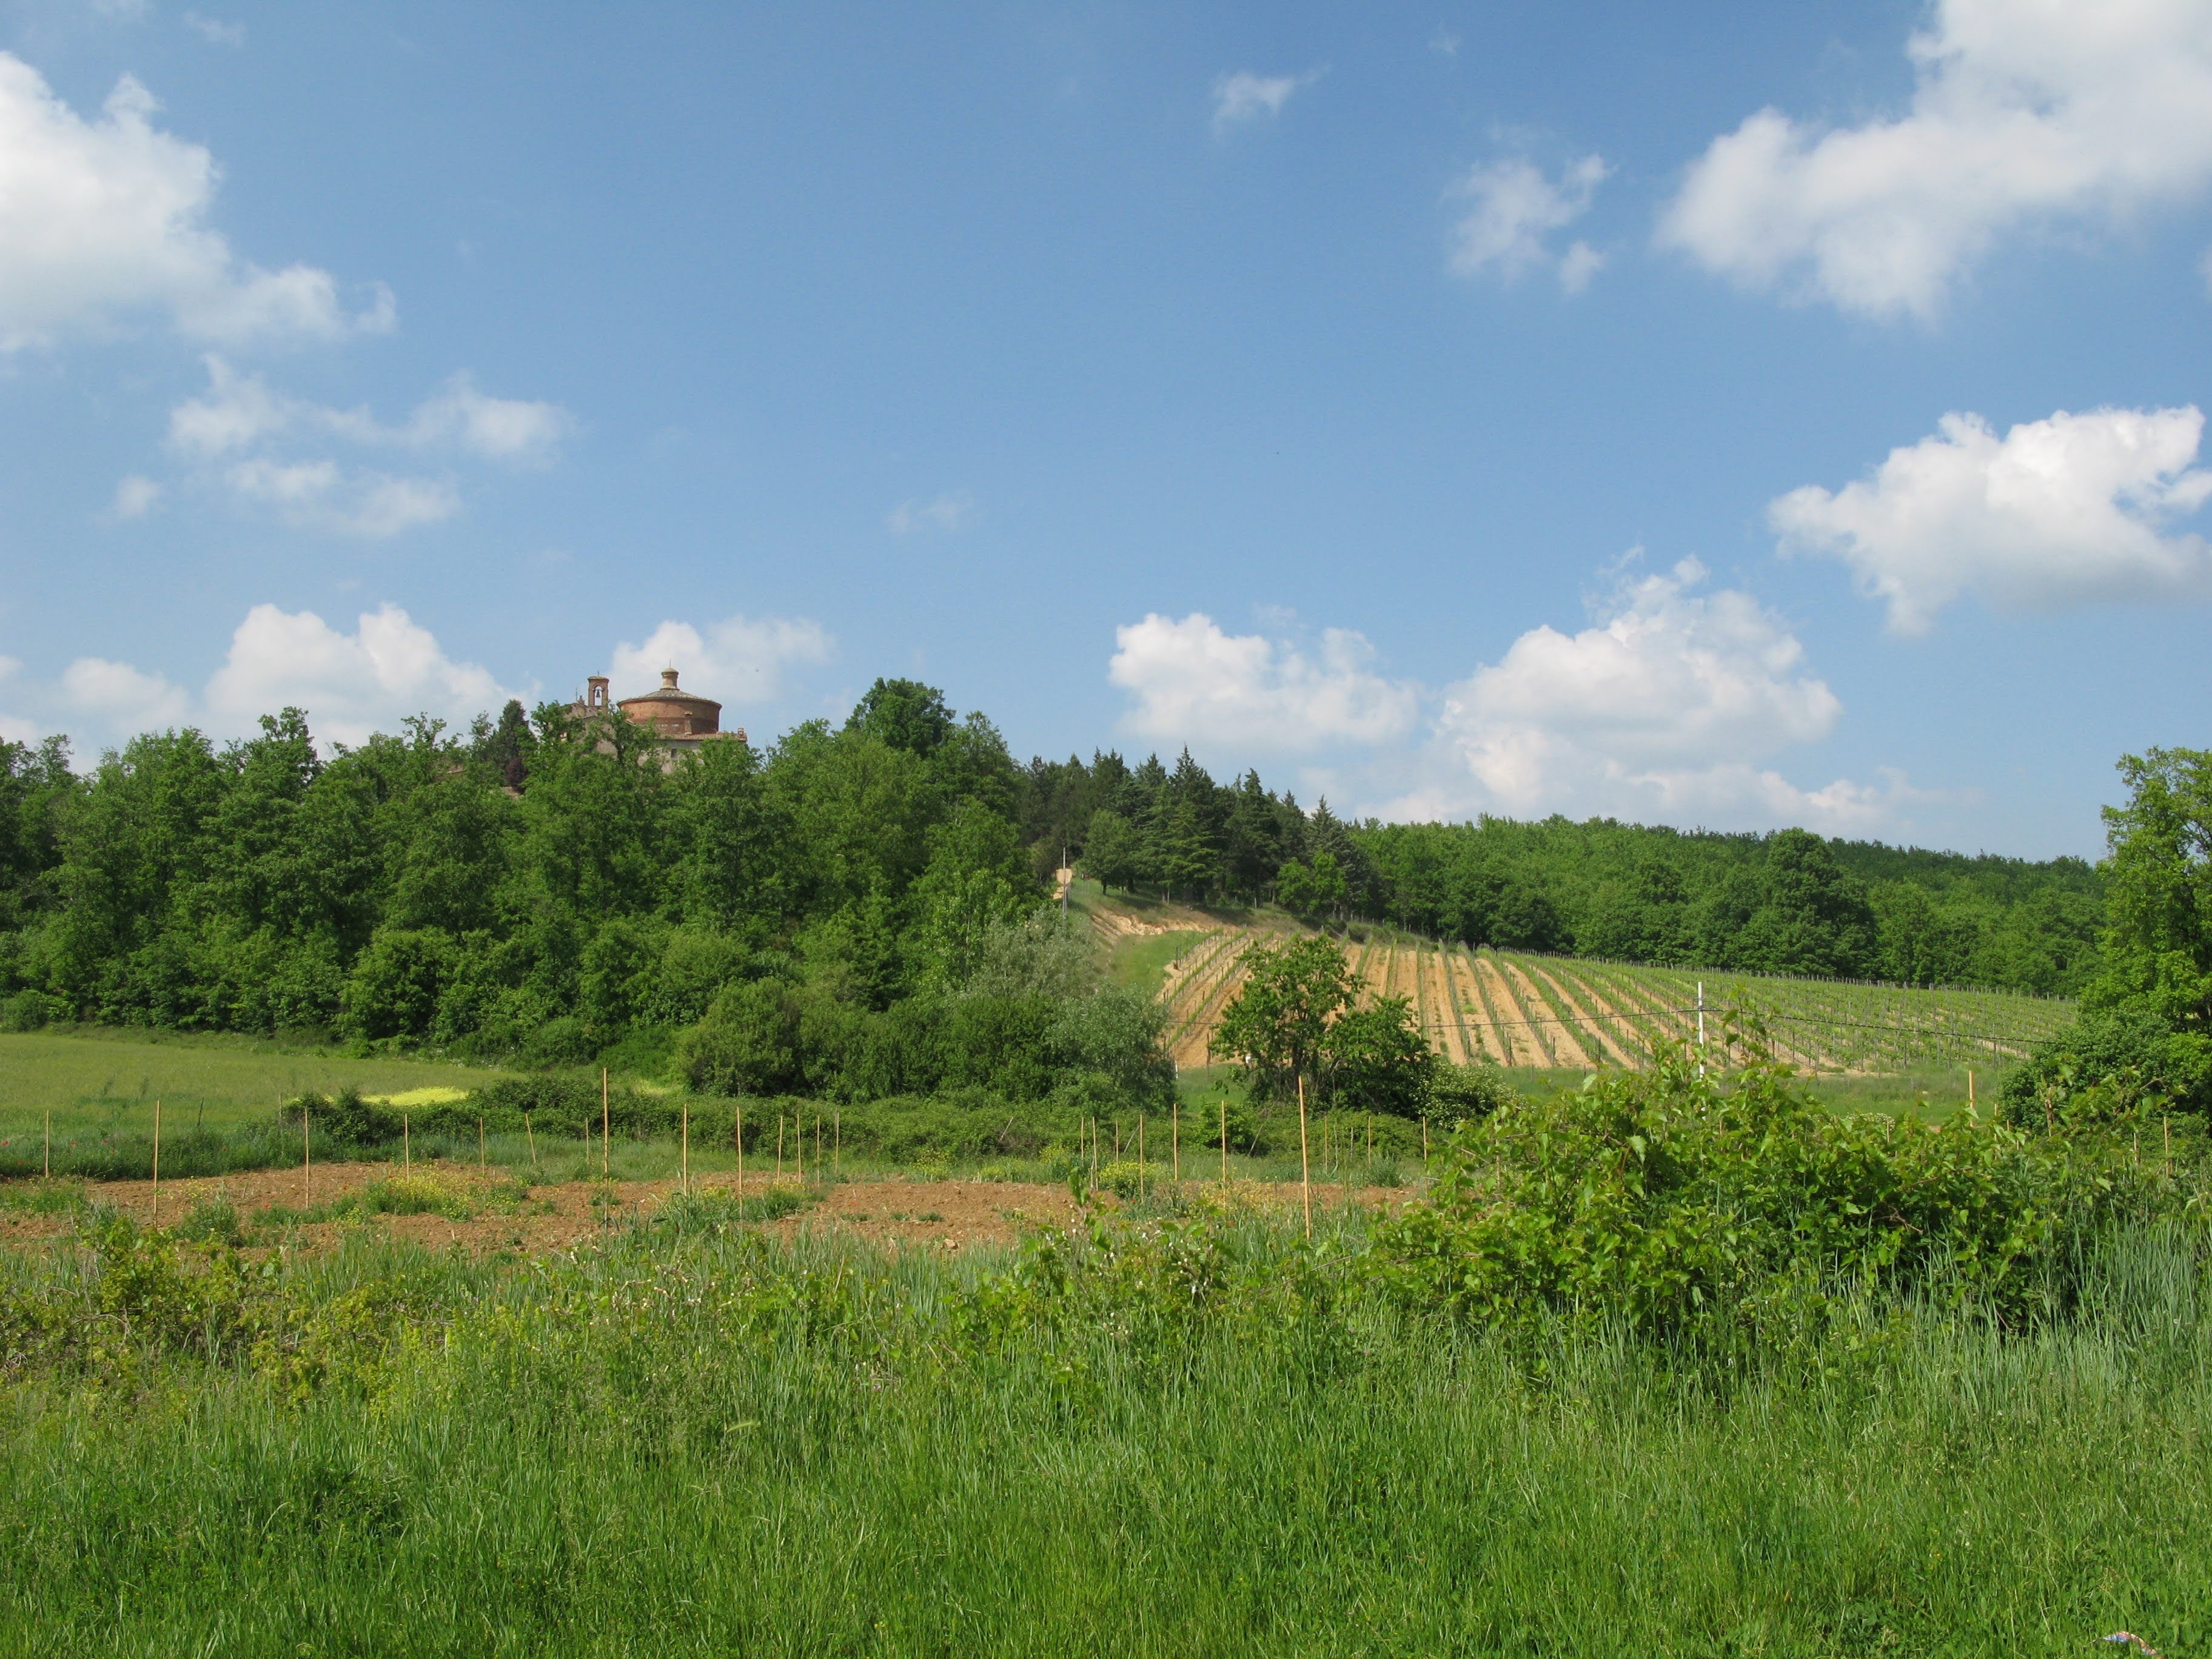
(530, 1139)
(686, 1153)
(157, 1161)
(306, 1152)
(481, 1162)
(406, 1145)
(1174, 1138)
(1224, 1140)
(738, 1135)
(606, 1122)
(1305, 1158)
(47, 1166)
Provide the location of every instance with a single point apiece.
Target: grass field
(692, 1441)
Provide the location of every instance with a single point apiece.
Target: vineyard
(1565, 1013)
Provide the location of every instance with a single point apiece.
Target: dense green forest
(855, 909)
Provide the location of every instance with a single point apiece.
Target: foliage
(1690, 1205)
(2144, 1040)
(1276, 1028)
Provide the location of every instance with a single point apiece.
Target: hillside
(1556, 1012)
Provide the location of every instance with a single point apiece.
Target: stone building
(685, 720)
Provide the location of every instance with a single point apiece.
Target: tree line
(551, 888)
(1789, 901)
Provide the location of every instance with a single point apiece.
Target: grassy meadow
(1166, 1439)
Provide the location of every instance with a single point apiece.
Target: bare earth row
(1556, 1012)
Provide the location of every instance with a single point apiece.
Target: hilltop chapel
(685, 720)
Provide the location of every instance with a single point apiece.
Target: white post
(1701, 1028)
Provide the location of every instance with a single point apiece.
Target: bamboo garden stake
(605, 1123)
(306, 1152)
(1305, 1163)
(530, 1139)
(157, 1161)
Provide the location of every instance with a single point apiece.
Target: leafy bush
(2113, 1064)
(1679, 1204)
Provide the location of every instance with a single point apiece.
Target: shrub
(2110, 1065)
(1682, 1204)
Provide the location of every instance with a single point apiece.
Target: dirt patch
(560, 1216)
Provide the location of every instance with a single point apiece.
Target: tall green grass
(1169, 1441)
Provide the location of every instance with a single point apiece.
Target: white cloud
(738, 660)
(1244, 96)
(1578, 265)
(1515, 208)
(215, 31)
(350, 685)
(104, 220)
(1194, 683)
(948, 512)
(135, 497)
(2023, 112)
(120, 697)
(1668, 708)
(242, 412)
(2064, 512)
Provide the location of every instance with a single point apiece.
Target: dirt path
(1443, 1008)
(1494, 1037)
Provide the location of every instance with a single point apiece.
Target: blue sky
(1725, 415)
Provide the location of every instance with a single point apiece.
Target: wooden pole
(480, 1163)
(1305, 1161)
(48, 1168)
(157, 1161)
(530, 1139)
(1970, 1088)
(778, 1145)
(406, 1145)
(307, 1152)
(1425, 1143)
(837, 1141)
(799, 1145)
(606, 1122)
(738, 1135)
(1224, 1140)
(1174, 1138)
(687, 1144)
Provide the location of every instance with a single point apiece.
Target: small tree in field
(1277, 1028)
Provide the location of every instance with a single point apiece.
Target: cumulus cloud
(2073, 510)
(2023, 112)
(104, 220)
(1194, 683)
(952, 511)
(1515, 208)
(1244, 96)
(120, 697)
(1669, 707)
(241, 413)
(350, 685)
(738, 660)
